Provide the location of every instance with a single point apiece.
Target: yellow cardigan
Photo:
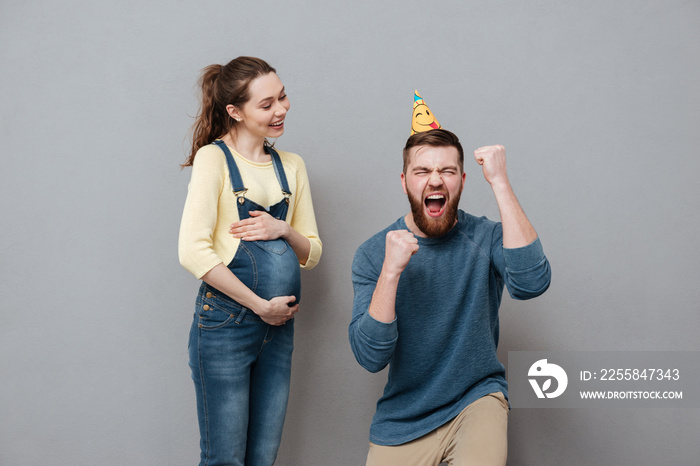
(211, 207)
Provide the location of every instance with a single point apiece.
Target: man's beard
(434, 227)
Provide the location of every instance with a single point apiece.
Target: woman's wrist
(286, 230)
(258, 306)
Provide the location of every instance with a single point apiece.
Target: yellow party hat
(423, 119)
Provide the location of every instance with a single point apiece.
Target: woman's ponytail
(208, 120)
(221, 86)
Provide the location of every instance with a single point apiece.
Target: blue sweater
(441, 348)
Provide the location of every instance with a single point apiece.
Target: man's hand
(493, 162)
(400, 246)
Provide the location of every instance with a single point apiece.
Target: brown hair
(221, 86)
(436, 138)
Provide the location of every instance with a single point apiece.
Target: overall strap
(279, 171)
(236, 181)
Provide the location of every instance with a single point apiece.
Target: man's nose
(435, 178)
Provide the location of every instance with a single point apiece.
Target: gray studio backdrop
(597, 103)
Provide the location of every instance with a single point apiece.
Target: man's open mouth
(435, 204)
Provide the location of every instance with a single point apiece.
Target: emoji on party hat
(423, 119)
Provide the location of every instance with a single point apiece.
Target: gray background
(598, 106)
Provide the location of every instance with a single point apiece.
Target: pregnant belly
(268, 268)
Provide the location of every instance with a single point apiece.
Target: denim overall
(241, 366)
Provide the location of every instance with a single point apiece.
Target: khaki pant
(477, 436)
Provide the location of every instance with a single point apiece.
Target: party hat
(423, 119)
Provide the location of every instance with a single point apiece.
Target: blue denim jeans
(241, 369)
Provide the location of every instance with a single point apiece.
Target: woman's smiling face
(263, 114)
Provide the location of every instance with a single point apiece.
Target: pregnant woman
(247, 227)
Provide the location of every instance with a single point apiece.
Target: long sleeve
(525, 270)
(304, 219)
(372, 342)
(200, 214)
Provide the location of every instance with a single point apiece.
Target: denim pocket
(212, 319)
(277, 246)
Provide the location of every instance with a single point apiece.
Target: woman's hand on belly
(277, 311)
(264, 227)
(260, 227)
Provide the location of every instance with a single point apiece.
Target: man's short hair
(436, 138)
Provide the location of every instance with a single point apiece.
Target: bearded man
(427, 293)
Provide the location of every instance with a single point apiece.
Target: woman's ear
(233, 112)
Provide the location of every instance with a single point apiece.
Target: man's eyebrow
(448, 167)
